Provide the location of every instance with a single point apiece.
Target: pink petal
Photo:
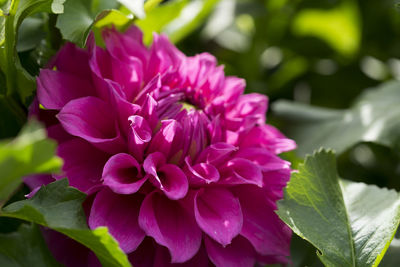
(122, 174)
(241, 171)
(218, 214)
(171, 226)
(163, 56)
(167, 177)
(238, 254)
(261, 226)
(56, 89)
(216, 154)
(201, 173)
(139, 136)
(91, 119)
(120, 214)
(83, 164)
(162, 141)
(268, 137)
(72, 59)
(267, 160)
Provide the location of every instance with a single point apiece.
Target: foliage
(335, 62)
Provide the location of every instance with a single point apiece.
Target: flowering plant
(127, 152)
(173, 152)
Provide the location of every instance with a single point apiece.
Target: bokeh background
(324, 53)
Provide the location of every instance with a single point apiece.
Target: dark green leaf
(59, 207)
(79, 17)
(375, 117)
(18, 81)
(25, 248)
(351, 224)
(31, 152)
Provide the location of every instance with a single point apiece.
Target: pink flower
(180, 164)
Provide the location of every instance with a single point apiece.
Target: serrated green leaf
(59, 207)
(79, 17)
(375, 117)
(351, 224)
(25, 248)
(31, 152)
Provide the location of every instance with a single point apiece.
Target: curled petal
(120, 214)
(164, 138)
(91, 119)
(267, 136)
(167, 177)
(217, 153)
(218, 214)
(171, 226)
(201, 173)
(138, 136)
(267, 160)
(122, 174)
(241, 171)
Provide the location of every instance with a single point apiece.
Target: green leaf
(25, 248)
(59, 207)
(351, 224)
(18, 81)
(158, 18)
(80, 17)
(31, 152)
(375, 117)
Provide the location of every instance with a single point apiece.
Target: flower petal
(261, 226)
(83, 164)
(167, 177)
(162, 141)
(217, 153)
(241, 171)
(171, 226)
(120, 214)
(218, 214)
(201, 173)
(122, 174)
(90, 119)
(56, 89)
(238, 254)
(268, 137)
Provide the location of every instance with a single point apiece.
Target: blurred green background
(324, 53)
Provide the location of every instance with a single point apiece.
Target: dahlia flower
(178, 163)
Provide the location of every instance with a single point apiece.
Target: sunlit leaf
(351, 224)
(31, 152)
(59, 207)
